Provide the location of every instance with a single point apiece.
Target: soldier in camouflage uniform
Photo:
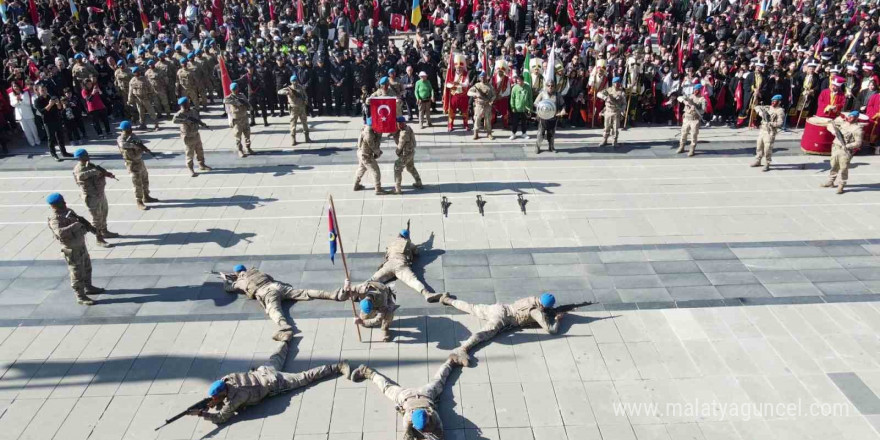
(772, 117)
(82, 71)
(140, 95)
(234, 392)
(258, 285)
(70, 230)
(189, 123)
(483, 95)
(169, 75)
(186, 83)
(237, 107)
(406, 151)
(368, 151)
(121, 78)
(843, 148)
(399, 256)
(297, 99)
(615, 105)
(377, 306)
(523, 312)
(156, 79)
(132, 148)
(91, 180)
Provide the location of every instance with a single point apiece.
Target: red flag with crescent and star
(384, 114)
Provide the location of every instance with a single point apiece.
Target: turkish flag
(383, 111)
(398, 21)
(225, 80)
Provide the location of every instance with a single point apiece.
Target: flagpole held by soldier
(335, 239)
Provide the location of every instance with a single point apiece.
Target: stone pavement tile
(470, 272)
(48, 419)
(780, 276)
(675, 267)
(855, 427)
(511, 271)
(719, 431)
(764, 264)
(636, 281)
(560, 270)
(77, 378)
(694, 293)
(44, 344)
(824, 390)
(795, 357)
(712, 325)
(852, 262)
(558, 357)
(510, 259)
(348, 410)
(82, 418)
(59, 304)
(104, 341)
(706, 358)
(676, 359)
(618, 361)
(683, 279)
(855, 355)
(12, 272)
(731, 278)
(25, 291)
(713, 266)
(793, 289)
(379, 414)
(650, 432)
(607, 296)
(637, 268)
(574, 405)
(555, 258)
(317, 405)
(108, 377)
(765, 358)
(814, 263)
(17, 342)
(617, 432)
(601, 327)
(647, 360)
(682, 322)
(450, 260)
(516, 433)
(530, 362)
(630, 326)
(17, 311)
(826, 275)
(736, 358)
(845, 251)
(843, 288)
(42, 383)
(660, 327)
(501, 360)
(510, 406)
(470, 285)
(711, 253)
(622, 256)
(18, 415)
(44, 271)
(743, 291)
(542, 404)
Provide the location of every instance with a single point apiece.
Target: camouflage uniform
(156, 79)
(186, 86)
(615, 105)
(70, 232)
(82, 72)
(168, 76)
(368, 152)
(132, 148)
(406, 151)
(189, 132)
(251, 387)
(258, 285)
(297, 99)
(122, 78)
(92, 180)
(140, 95)
(237, 106)
(483, 95)
(767, 135)
(399, 256)
(842, 153)
(694, 106)
(382, 298)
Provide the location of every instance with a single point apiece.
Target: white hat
(759, 64)
(851, 68)
(812, 64)
(422, 73)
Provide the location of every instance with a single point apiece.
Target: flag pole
(344, 263)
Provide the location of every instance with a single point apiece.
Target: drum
(817, 139)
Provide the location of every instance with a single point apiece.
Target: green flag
(527, 76)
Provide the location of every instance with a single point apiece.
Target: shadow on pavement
(244, 201)
(221, 237)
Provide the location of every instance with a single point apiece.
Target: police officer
(406, 150)
(190, 122)
(297, 99)
(92, 180)
(340, 75)
(70, 230)
(615, 105)
(523, 312)
(237, 106)
(368, 151)
(132, 149)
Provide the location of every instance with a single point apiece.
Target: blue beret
(698, 86)
(125, 125)
(233, 86)
(198, 51)
(854, 113)
(383, 81)
(140, 51)
(120, 62)
(78, 56)
(420, 419)
(369, 122)
(80, 152)
(239, 268)
(135, 69)
(366, 306)
(390, 71)
(129, 57)
(776, 98)
(293, 78)
(185, 41)
(54, 198)
(177, 47)
(167, 51)
(217, 387)
(404, 233)
(189, 55)
(183, 100)
(401, 119)
(151, 62)
(616, 79)
(182, 60)
(481, 75)
(547, 300)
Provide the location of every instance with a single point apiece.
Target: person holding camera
(50, 107)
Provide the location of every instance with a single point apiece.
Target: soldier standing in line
(694, 107)
(91, 180)
(523, 312)
(132, 149)
(615, 105)
(186, 83)
(156, 79)
(406, 151)
(368, 151)
(189, 123)
(297, 99)
(237, 107)
(236, 391)
(70, 230)
(399, 256)
(122, 77)
(483, 95)
(81, 71)
(771, 121)
(141, 94)
(845, 143)
(418, 406)
(165, 68)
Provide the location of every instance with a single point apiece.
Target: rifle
(444, 206)
(837, 134)
(106, 173)
(193, 120)
(480, 204)
(200, 405)
(225, 276)
(141, 145)
(522, 203)
(79, 219)
(407, 226)
(553, 311)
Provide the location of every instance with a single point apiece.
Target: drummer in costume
(771, 121)
(851, 85)
(502, 85)
(843, 148)
(597, 82)
(548, 106)
(458, 97)
(831, 100)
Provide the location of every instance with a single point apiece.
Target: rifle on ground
(200, 405)
(522, 203)
(444, 206)
(225, 276)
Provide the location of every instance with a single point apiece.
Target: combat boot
(293, 141)
(142, 127)
(476, 135)
(192, 173)
(766, 167)
(360, 373)
(82, 299)
(101, 242)
(459, 356)
(604, 142)
(828, 184)
(94, 290)
(150, 199)
(141, 206)
(283, 335)
(840, 189)
(446, 299)
(204, 167)
(490, 137)
(156, 127)
(344, 369)
(108, 234)
(418, 184)
(240, 152)
(756, 163)
(430, 297)
(308, 139)
(249, 151)
(680, 149)
(397, 189)
(551, 146)
(358, 186)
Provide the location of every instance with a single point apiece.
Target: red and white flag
(383, 111)
(398, 22)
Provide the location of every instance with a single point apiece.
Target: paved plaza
(729, 303)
